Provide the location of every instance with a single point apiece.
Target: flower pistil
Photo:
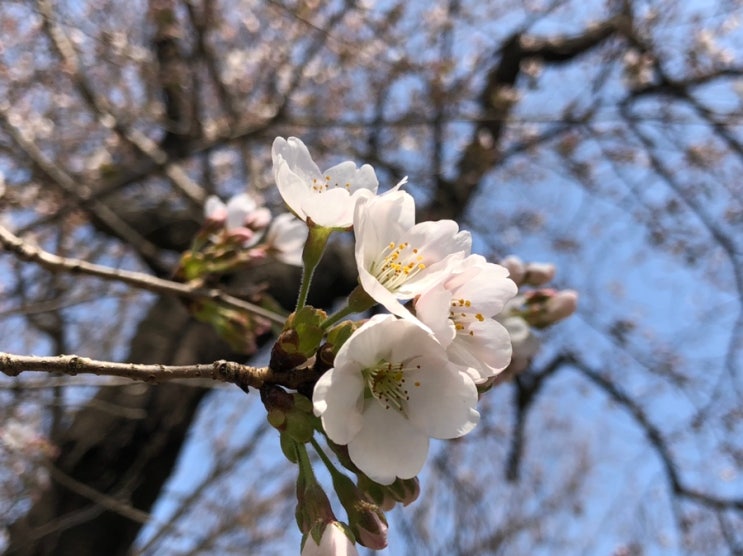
(386, 383)
(398, 263)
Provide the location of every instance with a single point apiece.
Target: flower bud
(299, 340)
(545, 307)
(336, 338)
(329, 539)
(562, 305)
(538, 274)
(285, 354)
(516, 268)
(369, 525)
(291, 414)
(404, 491)
(215, 210)
(365, 518)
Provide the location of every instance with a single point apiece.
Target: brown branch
(100, 499)
(244, 376)
(146, 282)
(483, 152)
(655, 438)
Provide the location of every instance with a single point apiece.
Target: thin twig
(55, 263)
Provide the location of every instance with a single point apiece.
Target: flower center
(398, 263)
(320, 186)
(386, 382)
(462, 316)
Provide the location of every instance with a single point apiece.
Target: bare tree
(604, 138)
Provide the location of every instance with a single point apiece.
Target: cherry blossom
(325, 198)
(243, 218)
(398, 259)
(459, 311)
(391, 389)
(285, 239)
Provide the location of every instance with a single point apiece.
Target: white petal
(331, 209)
(487, 350)
(432, 308)
(338, 401)
(410, 340)
(369, 344)
(442, 401)
(382, 295)
(388, 446)
(347, 176)
(294, 152)
(333, 542)
(292, 187)
(379, 221)
(487, 286)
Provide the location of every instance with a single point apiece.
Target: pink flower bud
(538, 274)
(563, 304)
(215, 210)
(369, 525)
(516, 268)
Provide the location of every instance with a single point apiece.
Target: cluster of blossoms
(404, 377)
(243, 221)
(386, 385)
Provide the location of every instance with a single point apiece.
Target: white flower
(333, 542)
(242, 216)
(459, 309)
(286, 238)
(398, 259)
(391, 389)
(327, 198)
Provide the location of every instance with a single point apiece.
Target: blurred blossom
(243, 218)
(286, 238)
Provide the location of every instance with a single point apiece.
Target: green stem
(311, 255)
(325, 459)
(358, 302)
(305, 465)
(335, 317)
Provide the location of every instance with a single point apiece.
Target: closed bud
(516, 268)
(285, 354)
(545, 307)
(405, 491)
(562, 305)
(299, 340)
(337, 336)
(538, 274)
(329, 539)
(369, 525)
(365, 518)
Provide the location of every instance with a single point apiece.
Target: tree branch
(244, 376)
(55, 263)
(655, 438)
